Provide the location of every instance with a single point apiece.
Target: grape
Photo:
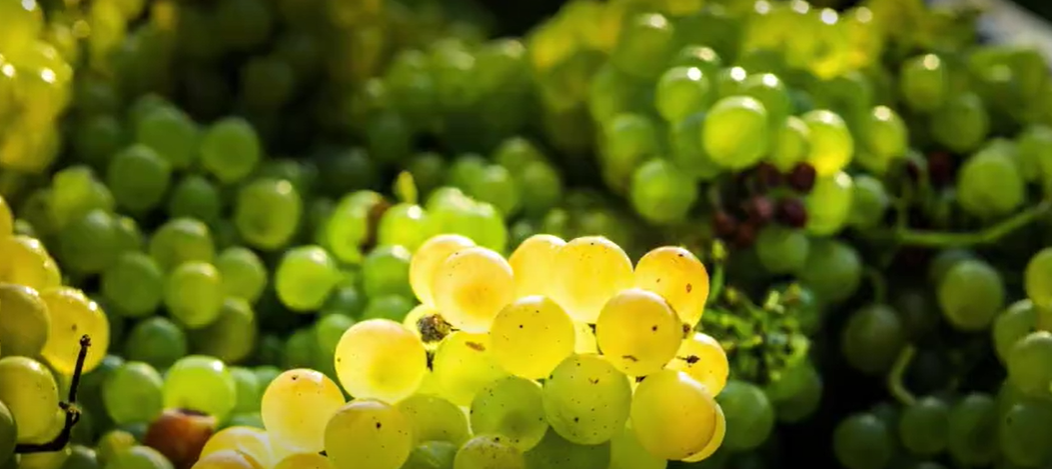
(296, 408)
(132, 393)
(597, 419)
(202, 384)
(869, 202)
(555, 452)
(833, 270)
(971, 294)
(432, 455)
(829, 204)
(1028, 364)
(872, 339)
(304, 461)
(367, 434)
(513, 408)
(251, 442)
(267, 213)
(676, 275)
(542, 187)
(862, 441)
(30, 393)
(791, 144)
(26, 262)
(134, 283)
(736, 132)
(989, 185)
(8, 433)
(638, 332)
(139, 457)
(75, 192)
(471, 286)
(230, 149)
(770, 91)
(673, 431)
(584, 338)
(644, 45)
(924, 426)
(702, 358)
(305, 277)
(680, 92)
(1038, 278)
(232, 336)
(249, 392)
(170, 133)
(924, 83)
(195, 197)
(426, 261)
(496, 185)
(782, 250)
(626, 452)
(1023, 433)
(628, 139)
(226, 459)
(961, 124)
(661, 193)
(831, 146)
(380, 359)
(193, 294)
(393, 307)
(403, 225)
(1015, 323)
(477, 220)
(687, 151)
(973, 430)
(73, 316)
(88, 244)
(435, 419)
(532, 264)
(138, 177)
(589, 271)
(885, 138)
(385, 271)
(488, 452)
(463, 365)
(181, 240)
(749, 414)
(531, 336)
(26, 324)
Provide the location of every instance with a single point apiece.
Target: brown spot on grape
(690, 288)
(653, 328)
(692, 359)
(630, 358)
(476, 346)
(378, 425)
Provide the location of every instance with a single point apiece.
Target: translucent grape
(532, 264)
(1012, 325)
(471, 286)
(230, 149)
(702, 358)
(791, 144)
(973, 430)
(971, 294)
(513, 408)
(133, 393)
(305, 277)
(681, 91)
(385, 271)
(587, 421)
(181, 240)
(924, 426)
(232, 336)
(249, 392)
(488, 452)
(367, 434)
(673, 416)
(638, 332)
(496, 185)
(885, 137)
(1028, 364)
(644, 45)
(193, 294)
(26, 262)
(30, 393)
(267, 213)
(226, 459)
(862, 441)
(626, 452)
(195, 197)
(687, 151)
(134, 283)
(736, 132)
(432, 455)
(679, 277)
(749, 414)
(1038, 278)
(831, 143)
(427, 259)
(380, 359)
(435, 419)
(26, 324)
(770, 91)
(662, 193)
(555, 452)
(531, 336)
(200, 383)
(393, 307)
(296, 408)
(924, 82)
(463, 365)
(72, 316)
(869, 202)
(584, 338)
(140, 457)
(252, 442)
(829, 204)
(403, 225)
(304, 461)
(989, 185)
(872, 339)
(588, 272)
(138, 177)
(170, 132)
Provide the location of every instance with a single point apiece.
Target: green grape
(626, 452)
(465, 168)
(200, 383)
(344, 170)
(770, 91)
(682, 91)
(74, 192)
(488, 452)
(833, 270)
(232, 336)
(597, 419)
(27, 21)
(1023, 431)
(403, 225)
(924, 426)
(155, 341)
(628, 139)
(133, 393)
(791, 144)
(638, 332)
(531, 336)
(385, 271)
(88, 244)
(749, 414)
(134, 284)
(193, 294)
(138, 457)
(829, 204)
(388, 137)
(661, 193)
(614, 92)
(428, 170)
(244, 275)
(729, 81)
(72, 316)
(496, 185)
(801, 398)
(305, 277)
(832, 145)
(463, 364)
(230, 149)
(477, 220)
(393, 307)
(296, 407)
(1038, 278)
(885, 138)
(542, 187)
(97, 138)
(347, 227)
(1028, 364)
(673, 431)
(989, 185)
(111, 443)
(513, 408)
(267, 213)
(129, 236)
(26, 262)
(138, 177)
(863, 441)
(973, 430)
(181, 240)
(169, 132)
(26, 327)
(432, 455)
(299, 351)
(736, 132)
(686, 149)
(368, 434)
(81, 457)
(196, 197)
(971, 294)
(380, 359)
(1012, 325)
(872, 339)
(698, 56)
(962, 124)
(644, 46)
(267, 83)
(8, 433)
(30, 393)
(555, 452)
(782, 250)
(1034, 151)
(435, 419)
(924, 83)
(869, 202)
(346, 301)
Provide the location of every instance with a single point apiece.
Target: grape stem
(898, 370)
(991, 234)
(878, 284)
(69, 407)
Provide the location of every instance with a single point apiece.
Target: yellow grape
(48, 460)
(296, 407)
(24, 320)
(533, 263)
(434, 418)
(586, 400)
(702, 357)
(587, 272)
(531, 336)
(638, 332)
(227, 459)
(715, 442)
(428, 257)
(471, 286)
(31, 394)
(72, 316)
(248, 440)
(673, 416)
(679, 277)
(380, 359)
(584, 338)
(7, 221)
(488, 452)
(25, 261)
(304, 461)
(368, 434)
(627, 453)
(54, 429)
(513, 408)
(463, 365)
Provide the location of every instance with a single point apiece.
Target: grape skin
(679, 277)
(531, 336)
(488, 452)
(513, 408)
(31, 394)
(674, 417)
(703, 358)
(588, 272)
(471, 287)
(253, 442)
(297, 406)
(532, 262)
(427, 259)
(368, 434)
(1028, 364)
(463, 365)
(72, 316)
(380, 359)
(434, 418)
(27, 325)
(638, 332)
(593, 420)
